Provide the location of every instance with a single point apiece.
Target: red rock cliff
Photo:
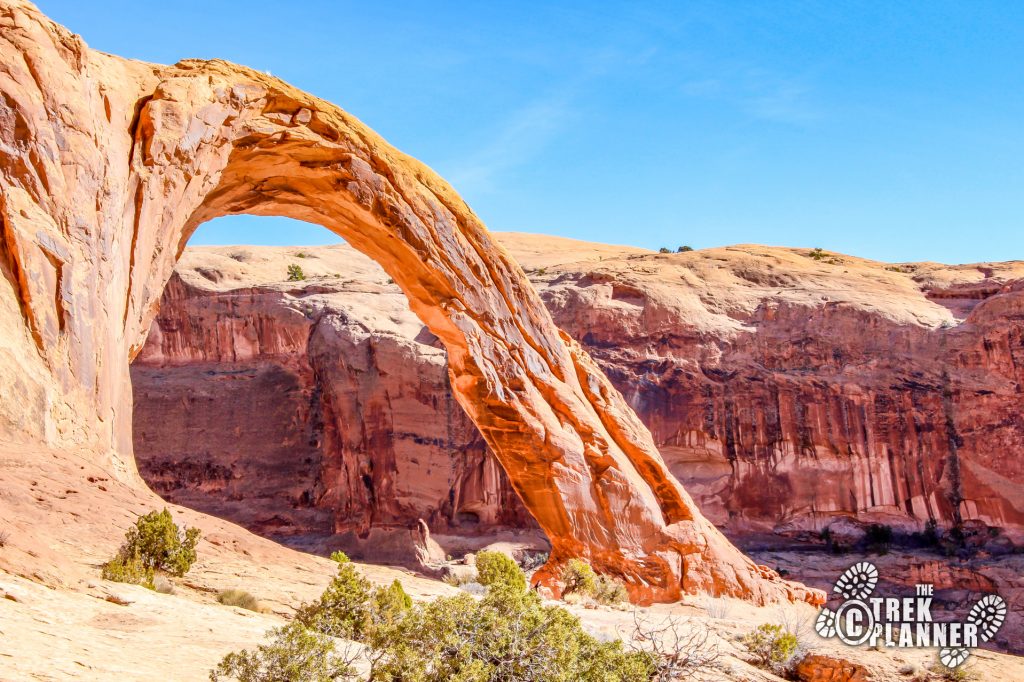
(784, 390)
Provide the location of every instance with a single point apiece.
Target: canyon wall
(785, 390)
(309, 409)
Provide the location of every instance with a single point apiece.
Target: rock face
(109, 166)
(786, 391)
(786, 388)
(307, 408)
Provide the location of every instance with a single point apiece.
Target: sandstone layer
(788, 392)
(109, 165)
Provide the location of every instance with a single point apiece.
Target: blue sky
(887, 130)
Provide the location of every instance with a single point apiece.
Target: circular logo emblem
(854, 622)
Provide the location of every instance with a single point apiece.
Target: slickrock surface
(785, 391)
(108, 167)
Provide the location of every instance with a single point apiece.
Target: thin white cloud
(519, 139)
(761, 94)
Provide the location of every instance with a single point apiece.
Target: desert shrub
(664, 249)
(154, 543)
(508, 635)
(239, 598)
(963, 673)
(295, 273)
(294, 653)
(770, 645)
(474, 588)
(302, 254)
(389, 604)
(494, 569)
(817, 253)
(128, 569)
(534, 560)
(678, 648)
(878, 537)
(579, 578)
(581, 581)
(162, 585)
(717, 607)
(610, 591)
(160, 544)
(343, 610)
(684, 249)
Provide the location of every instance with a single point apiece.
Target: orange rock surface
(109, 165)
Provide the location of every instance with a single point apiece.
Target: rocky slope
(786, 389)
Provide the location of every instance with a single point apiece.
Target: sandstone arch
(108, 166)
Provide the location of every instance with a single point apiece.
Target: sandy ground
(60, 621)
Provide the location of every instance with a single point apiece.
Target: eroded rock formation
(785, 391)
(108, 167)
(308, 408)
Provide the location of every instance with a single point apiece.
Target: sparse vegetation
(294, 653)
(716, 607)
(879, 538)
(534, 560)
(771, 646)
(162, 585)
(684, 249)
(239, 598)
(343, 610)
(962, 673)
(495, 569)
(154, 543)
(506, 636)
(295, 273)
(303, 254)
(128, 569)
(904, 269)
(664, 249)
(680, 649)
(581, 580)
(818, 254)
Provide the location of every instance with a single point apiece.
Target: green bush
(664, 249)
(684, 249)
(878, 537)
(295, 273)
(128, 569)
(506, 636)
(154, 543)
(579, 578)
(770, 645)
(294, 653)
(343, 610)
(494, 569)
(610, 591)
(239, 598)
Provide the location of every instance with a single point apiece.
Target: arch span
(117, 162)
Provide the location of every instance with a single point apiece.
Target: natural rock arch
(109, 165)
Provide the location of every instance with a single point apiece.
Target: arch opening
(289, 389)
